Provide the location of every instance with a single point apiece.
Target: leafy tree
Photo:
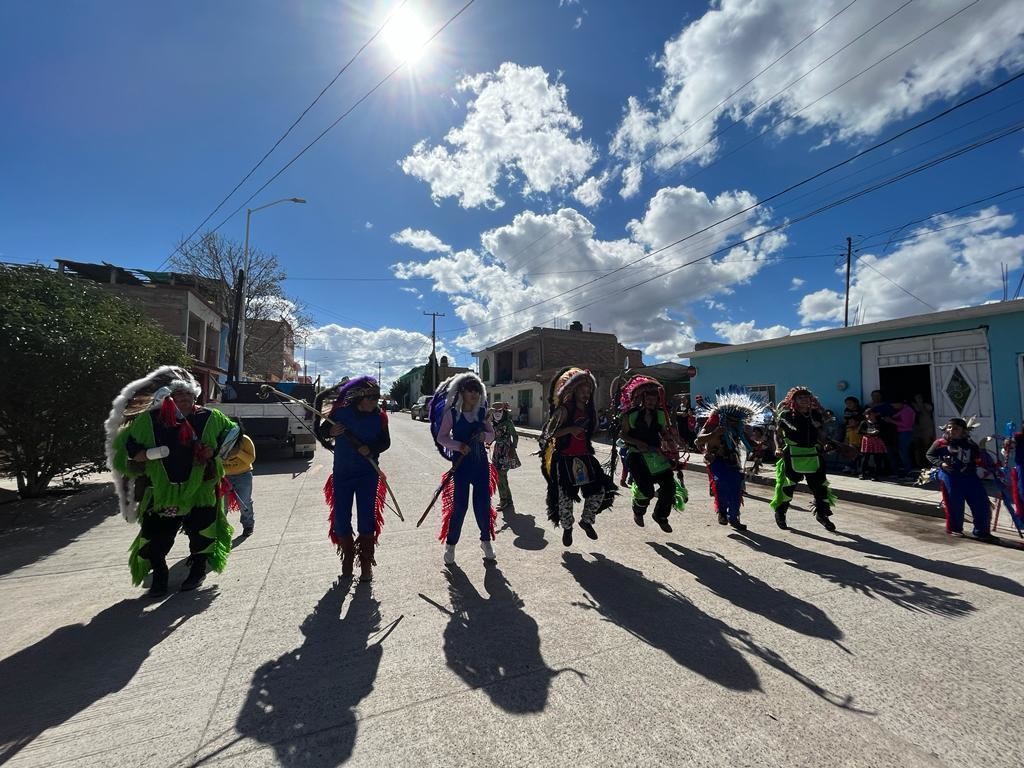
(430, 376)
(399, 391)
(215, 257)
(69, 347)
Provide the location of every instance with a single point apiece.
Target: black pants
(817, 481)
(645, 483)
(161, 531)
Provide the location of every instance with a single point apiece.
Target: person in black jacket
(955, 456)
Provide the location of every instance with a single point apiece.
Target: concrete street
(883, 644)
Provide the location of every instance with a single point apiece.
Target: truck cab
(272, 423)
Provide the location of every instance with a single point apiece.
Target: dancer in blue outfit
(955, 457)
(363, 427)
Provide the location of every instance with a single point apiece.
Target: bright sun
(405, 35)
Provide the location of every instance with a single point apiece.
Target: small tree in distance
(69, 348)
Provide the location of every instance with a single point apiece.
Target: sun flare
(406, 35)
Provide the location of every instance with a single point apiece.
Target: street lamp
(245, 260)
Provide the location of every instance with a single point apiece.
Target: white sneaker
(488, 551)
(449, 554)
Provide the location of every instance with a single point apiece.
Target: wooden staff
(265, 392)
(449, 475)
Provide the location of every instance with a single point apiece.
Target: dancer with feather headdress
(800, 424)
(651, 439)
(725, 432)
(166, 456)
(567, 455)
(956, 457)
(356, 415)
(462, 432)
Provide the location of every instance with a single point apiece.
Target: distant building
(518, 370)
(965, 362)
(186, 306)
(415, 376)
(270, 351)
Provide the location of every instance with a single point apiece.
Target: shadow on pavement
(493, 644)
(897, 589)
(663, 618)
(77, 665)
(968, 573)
(40, 536)
(276, 466)
(746, 591)
(314, 690)
(528, 535)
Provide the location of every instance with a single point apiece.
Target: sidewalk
(897, 496)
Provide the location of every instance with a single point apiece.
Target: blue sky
(534, 164)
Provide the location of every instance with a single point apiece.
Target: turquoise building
(965, 362)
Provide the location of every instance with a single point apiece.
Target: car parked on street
(420, 407)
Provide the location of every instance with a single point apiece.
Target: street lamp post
(245, 260)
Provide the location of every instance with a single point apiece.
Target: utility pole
(433, 343)
(378, 371)
(849, 255)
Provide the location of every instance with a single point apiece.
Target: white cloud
(591, 192)
(421, 240)
(368, 225)
(736, 39)
(414, 291)
(742, 333)
(951, 262)
(796, 283)
(344, 351)
(540, 256)
(518, 128)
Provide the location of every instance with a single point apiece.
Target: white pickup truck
(271, 423)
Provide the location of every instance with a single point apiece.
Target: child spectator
(873, 452)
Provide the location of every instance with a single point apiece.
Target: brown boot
(347, 550)
(365, 546)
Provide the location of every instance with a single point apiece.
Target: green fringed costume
(181, 490)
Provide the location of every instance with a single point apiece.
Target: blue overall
(474, 470)
(353, 476)
(964, 487)
(728, 487)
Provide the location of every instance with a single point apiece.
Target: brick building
(270, 351)
(186, 306)
(518, 370)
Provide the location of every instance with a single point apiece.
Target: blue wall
(820, 365)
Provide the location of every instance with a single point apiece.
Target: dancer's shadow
(968, 573)
(314, 690)
(75, 666)
(528, 534)
(746, 591)
(906, 593)
(664, 619)
(493, 643)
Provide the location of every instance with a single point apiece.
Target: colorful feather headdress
(733, 403)
(565, 381)
(633, 391)
(356, 388)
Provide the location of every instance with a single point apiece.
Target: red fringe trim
(447, 503)
(329, 498)
(711, 487)
(945, 504)
(227, 491)
(168, 413)
(1015, 491)
(492, 486)
(378, 507)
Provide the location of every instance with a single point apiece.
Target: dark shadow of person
(663, 618)
(906, 593)
(75, 666)
(969, 573)
(746, 591)
(303, 702)
(24, 544)
(492, 643)
(528, 534)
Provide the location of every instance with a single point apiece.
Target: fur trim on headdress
(565, 381)
(633, 391)
(135, 398)
(733, 403)
(454, 386)
(356, 388)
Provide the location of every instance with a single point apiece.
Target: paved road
(883, 644)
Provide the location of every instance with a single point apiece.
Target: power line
(343, 115)
(288, 131)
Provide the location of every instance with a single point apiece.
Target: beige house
(270, 351)
(519, 369)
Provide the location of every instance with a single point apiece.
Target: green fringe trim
(636, 493)
(140, 566)
(780, 496)
(218, 550)
(682, 496)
